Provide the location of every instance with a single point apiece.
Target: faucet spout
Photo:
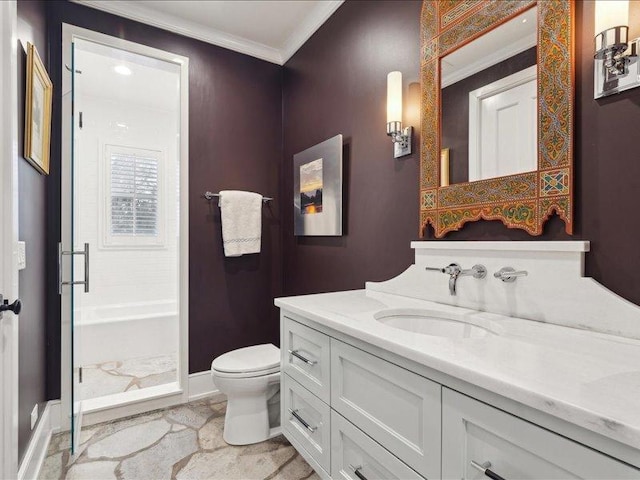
(453, 282)
(455, 271)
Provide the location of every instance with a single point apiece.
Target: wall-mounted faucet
(455, 271)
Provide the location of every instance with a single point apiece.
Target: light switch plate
(21, 253)
(34, 416)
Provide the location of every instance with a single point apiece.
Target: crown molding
(140, 13)
(308, 27)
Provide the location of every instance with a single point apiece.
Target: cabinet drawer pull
(300, 357)
(356, 470)
(484, 468)
(302, 421)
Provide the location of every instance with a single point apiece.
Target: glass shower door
(73, 262)
(79, 272)
(121, 194)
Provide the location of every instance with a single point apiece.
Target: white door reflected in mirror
(503, 126)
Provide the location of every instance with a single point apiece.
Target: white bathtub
(124, 331)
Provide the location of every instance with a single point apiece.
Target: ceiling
(270, 30)
(149, 82)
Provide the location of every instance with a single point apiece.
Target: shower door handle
(84, 253)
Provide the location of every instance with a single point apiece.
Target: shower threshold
(119, 405)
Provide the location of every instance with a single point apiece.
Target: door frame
(8, 238)
(180, 394)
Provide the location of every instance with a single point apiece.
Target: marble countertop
(586, 378)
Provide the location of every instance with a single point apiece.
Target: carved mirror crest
(497, 98)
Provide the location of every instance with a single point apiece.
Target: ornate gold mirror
(497, 113)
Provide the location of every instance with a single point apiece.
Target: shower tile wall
(125, 276)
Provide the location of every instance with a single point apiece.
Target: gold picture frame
(526, 200)
(37, 117)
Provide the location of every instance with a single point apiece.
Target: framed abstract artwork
(317, 189)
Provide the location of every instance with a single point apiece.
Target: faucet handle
(509, 274)
(435, 269)
(452, 269)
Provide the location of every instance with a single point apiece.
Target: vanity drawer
(474, 431)
(352, 450)
(399, 409)
(306, 357)
(307, 419)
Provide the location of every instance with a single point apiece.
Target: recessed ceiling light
(524, 20)
(122, 70)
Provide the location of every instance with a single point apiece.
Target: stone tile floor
(178, 443)
(120, 376)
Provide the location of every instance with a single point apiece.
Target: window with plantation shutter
(133, 197)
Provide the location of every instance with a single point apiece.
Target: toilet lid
(256, 358)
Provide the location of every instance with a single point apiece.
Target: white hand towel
(241, 214)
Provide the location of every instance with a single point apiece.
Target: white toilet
(250, 377)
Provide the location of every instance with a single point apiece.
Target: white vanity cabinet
(307, 419)
(306, 357)
(353, 453)
(355, 415)
(473, 431)
(398, 408)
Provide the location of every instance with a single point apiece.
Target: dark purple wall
(32, 230)
(336, 84)
(455, 108)
(235, 142)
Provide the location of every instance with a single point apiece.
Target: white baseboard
(201, 386)
(54, 414)
(39, 443)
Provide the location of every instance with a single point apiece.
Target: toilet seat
(254, 361)
(219, 374)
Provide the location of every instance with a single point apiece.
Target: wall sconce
(401, 137)
(616, 59)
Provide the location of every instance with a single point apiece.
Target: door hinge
(80, 375)
(80, 123)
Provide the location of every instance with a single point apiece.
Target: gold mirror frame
(524, 200)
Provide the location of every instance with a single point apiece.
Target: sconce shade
(611, 13)
(394, 97)
(614, 38)
(616, 67)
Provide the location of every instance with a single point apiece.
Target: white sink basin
(428, 322)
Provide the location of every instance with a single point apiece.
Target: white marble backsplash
(554, 291)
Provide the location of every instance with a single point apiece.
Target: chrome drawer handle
(356, 470)
(484, 468)
(302, 421)
(300, 357)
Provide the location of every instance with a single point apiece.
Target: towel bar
(211, 196)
